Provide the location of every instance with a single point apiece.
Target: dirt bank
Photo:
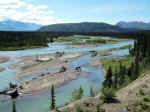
(130, 96)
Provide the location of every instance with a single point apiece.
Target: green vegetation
(120, 48)
(105, 53)
(92, 94)
(83, 27)
(70, 40)
(97, 40)
(108, 95)
(59, 54)
(115, 62)
(108, 52)
(62, 69)
(14, 106)
(93, 53)
(52, 105)
(26, 40)
(77, 94)
(21, 48)
(85, 40)
(122, 71)
(146, 98)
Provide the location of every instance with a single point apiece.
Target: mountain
(82, 27)
(134, 24)
(11, 25)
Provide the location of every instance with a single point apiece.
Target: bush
(141, 92)
(146, 98)
(79, 109)
(59, 54)
(93, 53)
(108, 95)
(63, 69)
(77, 94)
(145, 106)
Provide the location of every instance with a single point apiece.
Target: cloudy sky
(64, 11)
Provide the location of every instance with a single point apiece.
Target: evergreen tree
(137, 67)
(116, 79)
(14, 105)
(77, 94)
(52, 106)
(92, 92)
(108, 80)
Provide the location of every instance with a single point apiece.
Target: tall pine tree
(52, 106)
(108, 80)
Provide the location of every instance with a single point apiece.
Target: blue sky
(67, 11)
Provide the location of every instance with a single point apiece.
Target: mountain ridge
(12, 25)
(134, 24)
(82, 27)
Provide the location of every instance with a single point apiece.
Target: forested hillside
(82, 27)
(25, 40)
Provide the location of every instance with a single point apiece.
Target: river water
(40, 103)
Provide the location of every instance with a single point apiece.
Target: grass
(105, 53)
(94, 53)
(146, 98)
(20, 48)
(115, 62)
(120, 48)
(145, 69)
(89, 40)
(108, 52)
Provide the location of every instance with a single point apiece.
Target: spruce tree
(92, 92)
(115, 83)
(14, 105)
(52, 106)
(108, 80)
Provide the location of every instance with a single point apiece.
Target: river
(40, 102)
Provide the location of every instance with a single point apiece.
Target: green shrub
(62, 69)
(141, 92)
(79, 109)
(77, 94)
(93, 53)
(146, 98)
(108, 95)
(59, 54)
(145, 106)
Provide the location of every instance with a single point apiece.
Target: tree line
(21, 39)
(27, 39)
(141, 61)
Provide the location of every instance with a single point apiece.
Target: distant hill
(134, 24)
(82, 27)
(11, 25)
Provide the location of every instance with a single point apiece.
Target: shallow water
(40, 103)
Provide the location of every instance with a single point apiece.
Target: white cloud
(25, 12)
(11, 4)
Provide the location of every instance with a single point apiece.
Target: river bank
(4, 59)
(2, 69)
(36, 75)
(93, 76)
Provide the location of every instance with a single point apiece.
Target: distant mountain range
(134, 25)
(11, 25)
(97, 27)
(82, 27)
